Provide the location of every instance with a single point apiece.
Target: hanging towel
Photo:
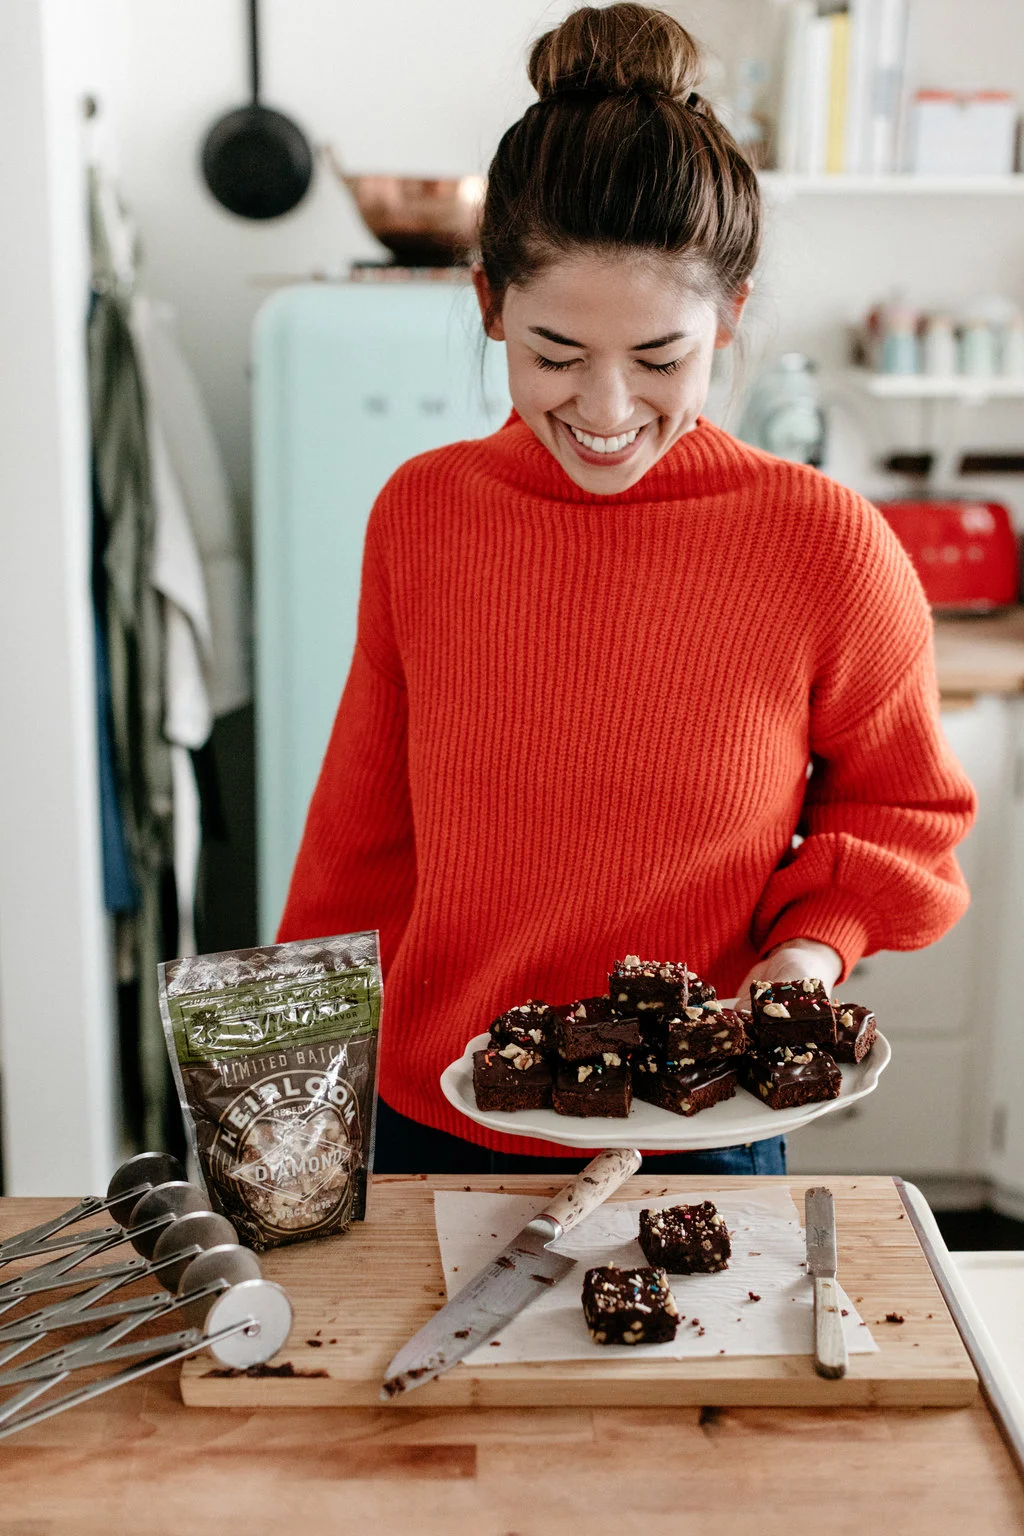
(197, 466)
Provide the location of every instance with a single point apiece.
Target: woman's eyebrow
(643, 346)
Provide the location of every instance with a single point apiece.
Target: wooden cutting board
(359, 1297)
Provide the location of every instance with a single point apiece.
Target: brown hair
(619, 153)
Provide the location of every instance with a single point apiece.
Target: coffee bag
(274, 1052)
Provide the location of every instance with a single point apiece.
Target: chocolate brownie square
(686, 1239)
(699, 1031)
(643, 986)
(531, 1025)
(786, 1076)
(508, 1077)
(592, 1088)
(856, 1028)
(685, 1090)
(588, 1028)
(792, 1012)
(629, 1306)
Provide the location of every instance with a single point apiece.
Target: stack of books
(843, 87)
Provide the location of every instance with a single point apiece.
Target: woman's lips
(603, 459)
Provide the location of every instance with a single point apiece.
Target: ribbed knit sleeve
(887, 801)
(356, 865)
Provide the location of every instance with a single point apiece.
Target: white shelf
(787, 184)
(895, 386)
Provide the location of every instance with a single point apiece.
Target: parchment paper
(768, 1250)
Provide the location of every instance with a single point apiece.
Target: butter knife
(522, 1272)
(830, 1358)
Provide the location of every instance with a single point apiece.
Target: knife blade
(524, 1270)
(830, 1357)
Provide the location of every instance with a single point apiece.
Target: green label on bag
(248, 1020)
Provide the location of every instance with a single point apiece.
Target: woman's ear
(485, 298)
(730, 315)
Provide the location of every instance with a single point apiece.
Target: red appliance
(965, 552)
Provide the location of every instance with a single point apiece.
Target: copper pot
(425, 222)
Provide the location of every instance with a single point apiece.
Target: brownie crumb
(287, 1369)
(495, 1343)
(843, 1312)
(753, 1296)
(700, 1333)
(721, 1351)
(315, 1343)
(894, 1317)
(461, 1333)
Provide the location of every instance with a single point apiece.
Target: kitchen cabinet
(948, 1010)
(1005, 1120)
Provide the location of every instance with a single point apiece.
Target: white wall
(408, 87)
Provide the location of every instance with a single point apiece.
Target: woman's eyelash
(547, 362)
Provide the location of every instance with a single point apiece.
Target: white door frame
(57, 1037)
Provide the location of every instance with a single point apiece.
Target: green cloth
(134, 625)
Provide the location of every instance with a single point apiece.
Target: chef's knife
(525, 1270)
(830, 1357)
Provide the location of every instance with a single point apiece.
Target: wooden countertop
(980, 654)
(139, 1461)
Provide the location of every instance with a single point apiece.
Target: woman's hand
(792, 961)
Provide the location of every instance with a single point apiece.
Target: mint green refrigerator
(350, 379)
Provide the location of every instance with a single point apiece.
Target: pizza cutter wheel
(231, 1310)
(173, 1253)
(162, 1204)
(130, 1182)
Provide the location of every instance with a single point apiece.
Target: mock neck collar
(706, 460)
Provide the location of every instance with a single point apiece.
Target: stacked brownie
(659, 1034)
(797, 1038)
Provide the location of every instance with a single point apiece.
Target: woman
(598, 650)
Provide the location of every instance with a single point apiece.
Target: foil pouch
(274, 1052)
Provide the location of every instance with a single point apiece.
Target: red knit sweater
(578, 726)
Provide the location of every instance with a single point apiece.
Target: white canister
(1011, 349)
(978, 350)
(938, 347)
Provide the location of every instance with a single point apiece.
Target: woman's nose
(605, 404)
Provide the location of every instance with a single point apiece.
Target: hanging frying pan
(257, 162)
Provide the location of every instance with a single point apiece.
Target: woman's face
(611, 346)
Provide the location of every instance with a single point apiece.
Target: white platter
(733, 1122)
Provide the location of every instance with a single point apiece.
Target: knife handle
(592, 1186)
(830, 1357)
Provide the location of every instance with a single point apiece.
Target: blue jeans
(404, 1146)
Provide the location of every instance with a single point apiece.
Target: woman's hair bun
(615, 49)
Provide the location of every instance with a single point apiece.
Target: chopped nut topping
(611, 1059)
(579, 1012)
(776, 1010)
(693, 1013)
(582, 1073)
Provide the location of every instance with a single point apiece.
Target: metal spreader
(213, 1284)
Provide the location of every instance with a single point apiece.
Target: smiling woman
(597, 648)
